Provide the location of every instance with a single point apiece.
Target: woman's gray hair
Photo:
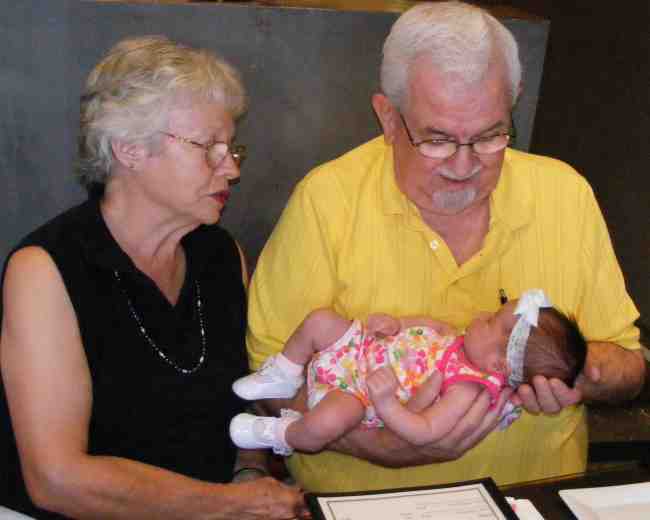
(457, 38)
(129, 95)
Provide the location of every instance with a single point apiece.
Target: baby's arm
(380, 324)
(422, 428)
(441, 327)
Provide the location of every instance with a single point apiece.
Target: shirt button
(434, 244)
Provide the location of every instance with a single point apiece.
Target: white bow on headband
(528, 310)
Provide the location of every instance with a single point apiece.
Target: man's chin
(453, 202)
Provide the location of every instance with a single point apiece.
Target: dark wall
(594, 112)
(310, 74)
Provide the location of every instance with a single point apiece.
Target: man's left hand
(611, 374)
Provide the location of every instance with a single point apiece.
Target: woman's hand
(269, 499)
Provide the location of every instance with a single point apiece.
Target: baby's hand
(382, 384)
(382, 325)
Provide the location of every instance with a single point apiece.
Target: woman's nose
(229, 168)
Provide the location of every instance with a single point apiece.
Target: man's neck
(464, 233)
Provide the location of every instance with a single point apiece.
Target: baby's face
(487, 336)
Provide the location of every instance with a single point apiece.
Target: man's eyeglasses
(442, 148)
(215, 151)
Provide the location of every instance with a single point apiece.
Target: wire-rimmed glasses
(443, 148)
(215, 151)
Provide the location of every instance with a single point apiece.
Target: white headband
(528, 310)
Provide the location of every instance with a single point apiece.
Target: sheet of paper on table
(464, 501)
(628, 502)
(524, 509)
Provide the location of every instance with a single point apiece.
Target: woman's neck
(150, 239)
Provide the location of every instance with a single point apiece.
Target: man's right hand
(381, 446)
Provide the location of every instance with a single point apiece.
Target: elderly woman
(123, 318)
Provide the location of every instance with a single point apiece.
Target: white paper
(468, 502)
(629, 502)
(524, 509)
(8, 514)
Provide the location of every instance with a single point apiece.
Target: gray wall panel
(309, 72)
(35, 138)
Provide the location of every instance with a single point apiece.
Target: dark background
(594, 112)
(310, 73)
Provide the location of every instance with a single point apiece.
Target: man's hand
(479, 420)
(611, 374)
(548, 396)
(383, 447)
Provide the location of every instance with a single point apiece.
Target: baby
(364, 374)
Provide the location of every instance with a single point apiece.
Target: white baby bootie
(253, 432)
(273, 381)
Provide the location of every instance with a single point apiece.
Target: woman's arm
(49, 391)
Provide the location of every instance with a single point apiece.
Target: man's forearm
(621, 373)
(374, 445)
(380, 446)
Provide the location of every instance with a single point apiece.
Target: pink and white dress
(414, 353)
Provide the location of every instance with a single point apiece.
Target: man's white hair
(456, 37)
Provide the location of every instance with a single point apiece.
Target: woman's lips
(222, 196)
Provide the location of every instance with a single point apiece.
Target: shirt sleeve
(607, 313)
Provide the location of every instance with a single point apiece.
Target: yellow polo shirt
(349, 239)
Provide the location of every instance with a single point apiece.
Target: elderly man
(438, 217)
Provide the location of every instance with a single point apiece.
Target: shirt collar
(392, 199)
(512, 202)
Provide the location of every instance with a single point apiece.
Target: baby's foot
(252, 432)
(271, 381)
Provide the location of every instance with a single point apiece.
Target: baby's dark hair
(556, 348)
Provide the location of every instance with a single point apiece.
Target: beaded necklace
(156, 349)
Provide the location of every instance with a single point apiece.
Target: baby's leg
(319, 330)
(335, 415)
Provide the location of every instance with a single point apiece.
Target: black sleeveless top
(143, 408)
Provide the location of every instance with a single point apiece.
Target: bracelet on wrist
(250, 469)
